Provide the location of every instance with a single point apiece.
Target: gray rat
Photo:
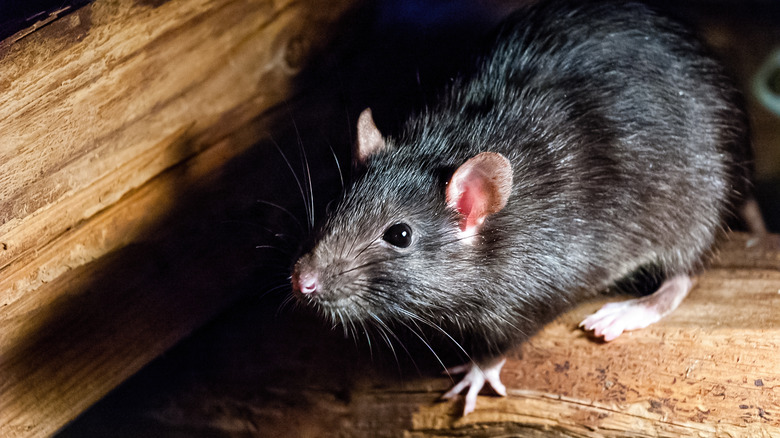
(590, 142)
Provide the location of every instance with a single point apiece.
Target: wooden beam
(109, 116)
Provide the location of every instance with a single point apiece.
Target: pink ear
(369, 139)
(479, 188)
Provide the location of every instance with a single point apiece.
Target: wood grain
(109, 117)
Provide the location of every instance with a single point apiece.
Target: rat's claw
(493, 376)
(467, 381)
(475, 379)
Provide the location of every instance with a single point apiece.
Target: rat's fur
(628, 148)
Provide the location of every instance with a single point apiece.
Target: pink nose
(306, 283)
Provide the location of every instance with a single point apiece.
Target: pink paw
(615, 318)
(474, 379)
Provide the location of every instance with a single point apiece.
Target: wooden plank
(109, 117)
(126, 79)
(674, 380)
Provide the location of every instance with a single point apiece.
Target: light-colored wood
(107, 115)
(719, 378)
(86, 121)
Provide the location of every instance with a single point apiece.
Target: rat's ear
(479, 188)
(369, 139)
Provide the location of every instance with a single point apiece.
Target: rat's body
(590, 141)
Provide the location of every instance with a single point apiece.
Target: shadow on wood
(128, 216)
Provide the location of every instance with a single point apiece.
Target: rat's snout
(305, 282)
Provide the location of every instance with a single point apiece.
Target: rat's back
(626, 140)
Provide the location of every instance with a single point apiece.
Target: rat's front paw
(474, 379)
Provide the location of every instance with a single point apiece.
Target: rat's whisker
(289, 301)
(375, 262)
(338, 165)
(286, 211)
(400, 342)
(295, 176)
(438, 328)
(305, 164)
(275, 248)
(424, 341)
(383, 330)
(274, 289)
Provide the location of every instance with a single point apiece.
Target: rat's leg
(475, 377)
(759, 235)
(614, 318)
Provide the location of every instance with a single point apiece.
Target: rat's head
(403, 233)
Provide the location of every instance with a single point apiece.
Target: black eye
(399, 235)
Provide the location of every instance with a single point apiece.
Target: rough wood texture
(103, 100)
(109, 117)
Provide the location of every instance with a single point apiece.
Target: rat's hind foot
(475, 379)
(615, 318)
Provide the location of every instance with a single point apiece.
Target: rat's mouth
(337, 307)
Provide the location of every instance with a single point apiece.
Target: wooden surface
(111, 117)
